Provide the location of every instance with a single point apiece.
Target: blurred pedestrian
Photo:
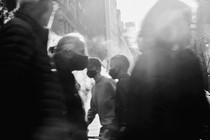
(32, 107)
(102, 100)
(70, 56)
(119, 65)
(167, 99)
(208, 72)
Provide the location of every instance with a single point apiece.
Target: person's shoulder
(108, 81)
(124, 79)
(18, 27)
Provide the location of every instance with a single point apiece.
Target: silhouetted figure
(119, 65)
(167, 99)
(69, 56)
(102, 100)
(32, 107)
(208, 71)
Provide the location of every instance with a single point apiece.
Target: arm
(118, 101)
(110, 89)
(91, 112)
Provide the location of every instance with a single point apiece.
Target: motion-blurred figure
(69, 56)
(167, 99)
(119, 65)
(32, 104)
(102, 100)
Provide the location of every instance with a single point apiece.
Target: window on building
(70, 5)
(80, 5)
(73, 10)
(85, 27)
(67, 4)
(84, 11)
(80, 21)
(61, 1)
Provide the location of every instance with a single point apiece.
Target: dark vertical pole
(10, 4)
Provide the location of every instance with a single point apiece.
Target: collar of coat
(38, 30)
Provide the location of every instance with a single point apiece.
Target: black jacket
(122, 96)
(74, 112)
(167, 98)
(28, 87)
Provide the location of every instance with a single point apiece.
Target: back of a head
(76, 39)
(94, 62)
(122, 61)
(168, 22)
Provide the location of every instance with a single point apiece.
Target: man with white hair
(33, 109)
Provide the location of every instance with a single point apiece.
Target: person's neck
(121, 73)
(97, 77)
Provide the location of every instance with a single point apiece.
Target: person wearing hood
(70, 56)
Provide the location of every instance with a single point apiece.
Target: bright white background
(135, 10)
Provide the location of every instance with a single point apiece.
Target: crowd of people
(162, 99)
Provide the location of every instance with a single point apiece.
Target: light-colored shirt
(103, 101)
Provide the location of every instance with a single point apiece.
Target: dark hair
(121, 60)
(94, 62)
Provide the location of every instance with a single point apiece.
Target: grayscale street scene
(105, 69)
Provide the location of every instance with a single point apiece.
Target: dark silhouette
(69, 56)
(119, 65)
(167, 99)
(30, 94)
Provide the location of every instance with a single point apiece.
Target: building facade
(111, 26)
(70, 16)
(95, 19)
(203, 39)
(102, 23)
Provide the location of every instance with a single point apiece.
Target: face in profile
(70, 53)
(91, 70)
(114, 69)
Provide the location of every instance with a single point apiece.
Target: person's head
(94, 67)
(119, 65)
(40, 10)
(167, 23)
(70, 53)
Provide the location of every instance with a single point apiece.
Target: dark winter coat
(74, 107)
(167, 99)
(122, 96)
(28, 87)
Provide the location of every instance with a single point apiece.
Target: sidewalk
(94, 127)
